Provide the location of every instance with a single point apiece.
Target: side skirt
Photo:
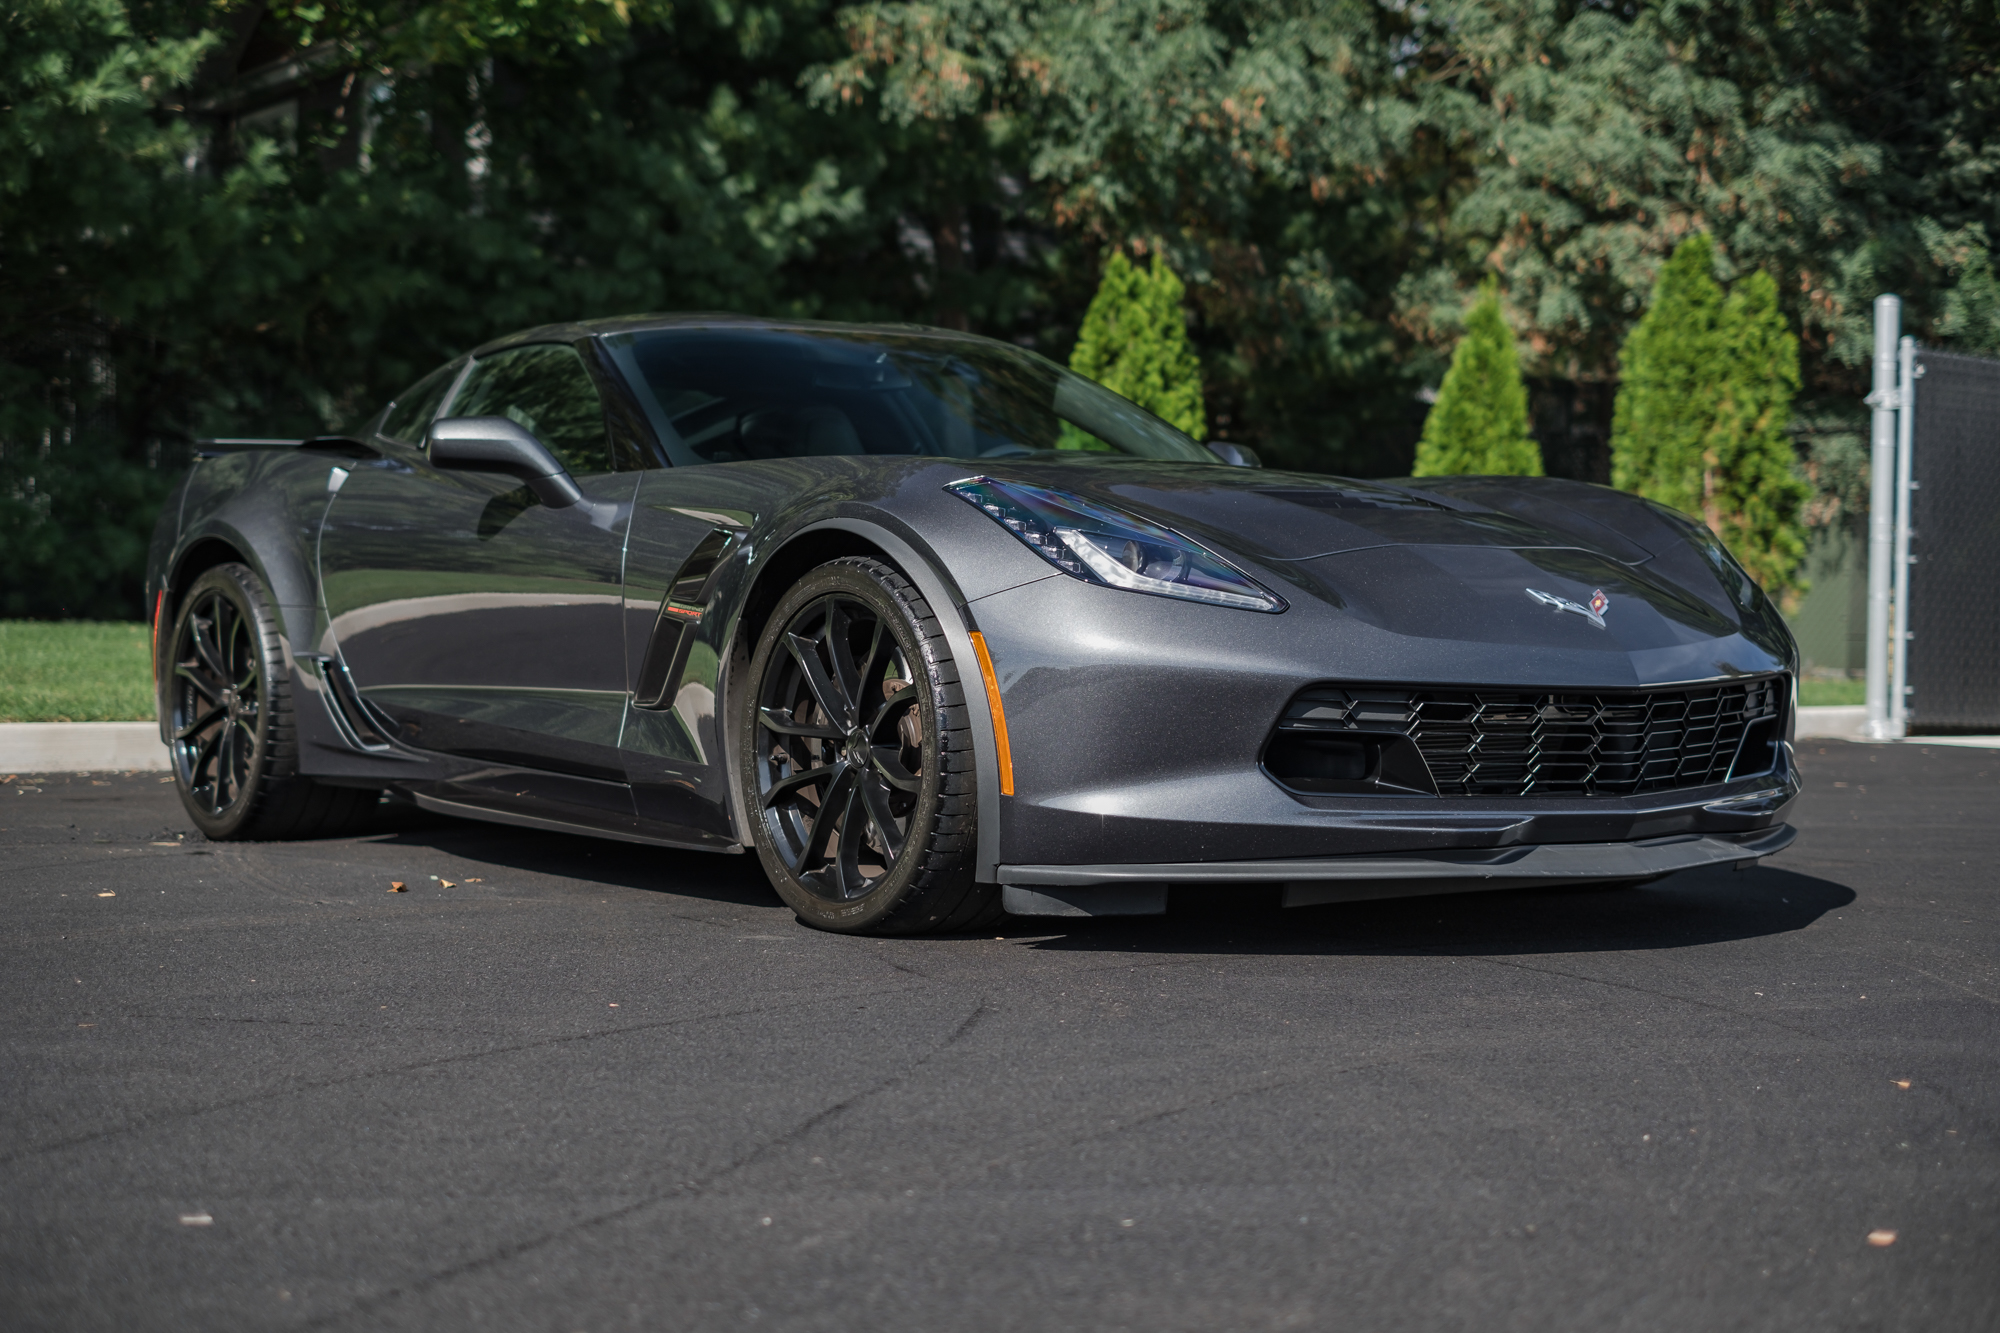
(464, 811)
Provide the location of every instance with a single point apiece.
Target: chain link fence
(1954, 669)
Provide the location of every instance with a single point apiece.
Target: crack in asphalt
(683, 1189)
(436, 1062)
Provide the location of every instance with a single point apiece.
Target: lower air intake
(1513, 742)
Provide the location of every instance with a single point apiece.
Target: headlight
(1100, 545)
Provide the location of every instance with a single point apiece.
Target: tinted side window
(410, 415)
(545, 388)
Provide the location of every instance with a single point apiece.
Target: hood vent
(1328, 498)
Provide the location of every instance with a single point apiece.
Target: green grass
(75, 671)
(1815, 693)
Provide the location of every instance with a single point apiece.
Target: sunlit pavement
(561, 1084)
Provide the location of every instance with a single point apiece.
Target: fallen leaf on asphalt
(1881, 1238)
(446, 884)
(9, 778)
(108, 893)
(196, 1220)
(1900, 1082)
(396, 886)
(475, 881)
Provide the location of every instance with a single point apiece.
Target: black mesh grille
(1512, 742)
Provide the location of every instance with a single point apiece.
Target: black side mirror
(1236, 455)
(496, 444)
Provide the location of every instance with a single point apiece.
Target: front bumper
(1141, 890)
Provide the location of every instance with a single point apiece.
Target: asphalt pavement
(560, 1084)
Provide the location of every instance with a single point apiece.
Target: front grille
(1513, 742)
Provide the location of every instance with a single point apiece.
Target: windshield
(720, 395)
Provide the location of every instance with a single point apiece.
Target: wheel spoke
(905, 695)
(777, 720)
(888, 764)
(203, 757)
(826, 689)
(846, 866)
(787, 786)
(827, 822)
(853, 676)
(875, 797)
(200, 724)
(208, 691)
(235, 648)
(205, 650)
(225, 765)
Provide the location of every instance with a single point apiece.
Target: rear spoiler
(342, 445)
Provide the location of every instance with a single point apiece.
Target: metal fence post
(1881, 513)
(1899, 638)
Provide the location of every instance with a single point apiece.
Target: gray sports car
(942, 630)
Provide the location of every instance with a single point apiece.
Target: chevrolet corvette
(940, 631)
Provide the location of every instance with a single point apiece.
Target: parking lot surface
(565, 1084)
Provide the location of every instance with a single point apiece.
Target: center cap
(857, 746)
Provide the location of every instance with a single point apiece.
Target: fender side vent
(365, 727)
(681, 611)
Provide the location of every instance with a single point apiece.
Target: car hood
(1467, 559)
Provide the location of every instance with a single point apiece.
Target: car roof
(597, 328)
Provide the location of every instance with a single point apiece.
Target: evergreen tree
(1479, 424)
(1671, 366)
(1754, 497)
(1701, 414)
(1134, 342)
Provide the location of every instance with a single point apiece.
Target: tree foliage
(1755, 497)
(1703, 410)
(1479, 424)
(1134, 342)
(182, 253)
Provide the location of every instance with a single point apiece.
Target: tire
(235, 747)
(865, 817)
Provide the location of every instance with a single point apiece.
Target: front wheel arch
(866, 796)
(840, 537)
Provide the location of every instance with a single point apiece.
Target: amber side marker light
(159, 609)
(1006, 751)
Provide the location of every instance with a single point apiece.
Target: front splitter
(1141, 890)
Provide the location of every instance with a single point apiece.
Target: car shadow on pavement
(1692, 908)
(1685, 910)
(715, 876)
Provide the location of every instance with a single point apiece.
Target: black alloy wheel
(857, 760)
(218, 691)
(234, 740)
(843, 761)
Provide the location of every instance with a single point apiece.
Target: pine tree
(1134, 342)
(1672, 365)
(1753, 495)
(1479, 424)
(1701, 415)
